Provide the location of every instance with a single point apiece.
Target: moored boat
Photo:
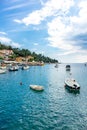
(37, 87)
(14, 68)
(2, 71)
(68, 68)
(56, 66)
(3, 67)
(71, 84)
(25, 67)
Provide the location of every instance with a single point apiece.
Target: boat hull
(36, 88)
(71, 89)
(25, 68)
(15, 68)
(68, 69)
(2, 71)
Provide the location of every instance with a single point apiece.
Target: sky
(54, 28)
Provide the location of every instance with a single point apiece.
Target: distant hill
(25, 53)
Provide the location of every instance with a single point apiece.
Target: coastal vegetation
(17, 52)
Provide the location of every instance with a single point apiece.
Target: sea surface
(55, 108)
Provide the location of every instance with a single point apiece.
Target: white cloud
(41, 1)
(50, 8)
(8, 41)
(63, 25)
(16, 20)
(61, 29)
(16, 6)
(3, 33)
(5, 39)
(15, 44)
(81, 58)
(36, 44)
(58, 32)
(79, 22)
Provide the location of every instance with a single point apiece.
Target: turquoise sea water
(53, 109)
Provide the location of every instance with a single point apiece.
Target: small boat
(68, 68)
(2, 71)
(71, 84)
(25, 67)
(14, 68)
(3, 67)
(37, 87)
(56, 66)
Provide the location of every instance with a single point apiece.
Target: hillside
(26, 53)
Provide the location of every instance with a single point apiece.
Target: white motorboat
(56, 66)
(72, 84)
(3, 67)
(14, 68)
(25, 67)
(68, 68)
(37, 87)
(2, 71)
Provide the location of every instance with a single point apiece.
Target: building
(23, 59)
(5, 53)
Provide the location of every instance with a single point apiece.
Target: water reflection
(71, 91)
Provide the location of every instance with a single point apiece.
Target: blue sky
(54, 28)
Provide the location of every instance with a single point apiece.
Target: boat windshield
(75, 85)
